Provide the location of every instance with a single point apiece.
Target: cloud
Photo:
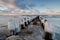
(31, 12)
(21, 4)
(0, 0)
(30, 4)
(8, 1)
(42, 5)
(51, 12)
(24, 4)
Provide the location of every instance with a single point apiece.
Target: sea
(55, 21)
(52, 19)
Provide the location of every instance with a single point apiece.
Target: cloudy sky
(44, 6)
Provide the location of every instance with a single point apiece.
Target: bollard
(25, 24)
(35, 22)
(42, 24)
(22, 26)
(48, 36)
(28, 22)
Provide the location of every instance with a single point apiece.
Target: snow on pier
(34, 30)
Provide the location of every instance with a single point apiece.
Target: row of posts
(48, 36)
(16, 24)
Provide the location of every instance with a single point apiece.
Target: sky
(44, 6)
(41, 4)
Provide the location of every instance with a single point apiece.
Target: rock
(27, 31)
(5, 31)
(35, 22)
(29, 38)
(14, 38)
(2, 37)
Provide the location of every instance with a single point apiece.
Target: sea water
(55, 21)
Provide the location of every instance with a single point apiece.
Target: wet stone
(14, 38)
(5, 31)
(29, 38)
(2, 37)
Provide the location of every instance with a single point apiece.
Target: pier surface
(37, 32)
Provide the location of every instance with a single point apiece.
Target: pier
(27, 28)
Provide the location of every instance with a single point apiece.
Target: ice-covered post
(13, 25)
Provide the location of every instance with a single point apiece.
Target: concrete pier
(28, 31)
